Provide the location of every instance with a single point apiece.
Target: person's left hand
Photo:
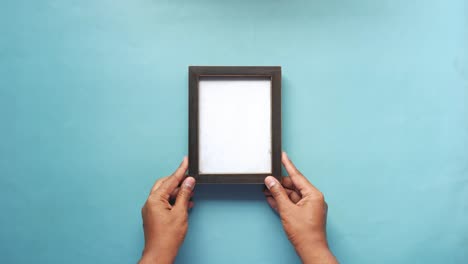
(165, 223)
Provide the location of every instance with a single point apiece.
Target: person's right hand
(303, 213)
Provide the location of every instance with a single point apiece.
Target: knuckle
(184, 192)
(275, 191)
(317, 196)
(150, 199)
(161, 180)
(155, 198)
(320, 196)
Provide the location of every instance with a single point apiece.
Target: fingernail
(270, 181)
(189, 183)
(286, 154)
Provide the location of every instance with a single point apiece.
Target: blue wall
(93, 109)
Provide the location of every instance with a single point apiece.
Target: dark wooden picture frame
(273, 72)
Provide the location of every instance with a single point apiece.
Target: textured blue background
(93, 109)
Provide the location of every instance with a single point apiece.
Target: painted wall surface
(93, 109)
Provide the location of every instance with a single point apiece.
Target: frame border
(274, 72)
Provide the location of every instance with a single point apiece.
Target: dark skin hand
(165, 224)
(301, 207)
(303, 212)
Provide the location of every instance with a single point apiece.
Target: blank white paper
(234, 125)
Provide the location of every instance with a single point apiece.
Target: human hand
(303, 212)
(165, 223)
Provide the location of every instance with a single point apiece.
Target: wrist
(315, 252)
(165, 256)
(310, 242)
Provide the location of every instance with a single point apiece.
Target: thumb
(278, 192)
(185, 192)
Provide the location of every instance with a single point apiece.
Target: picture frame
(213, 91)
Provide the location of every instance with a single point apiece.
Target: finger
(287, 183)
(173, 181)
(185, 192)
(174, 193)
(271, 201)
(191, 204)
(294, 196)
(159, 182)
(268, 193)
(278, 193)
(180, 171)
(299, 181)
